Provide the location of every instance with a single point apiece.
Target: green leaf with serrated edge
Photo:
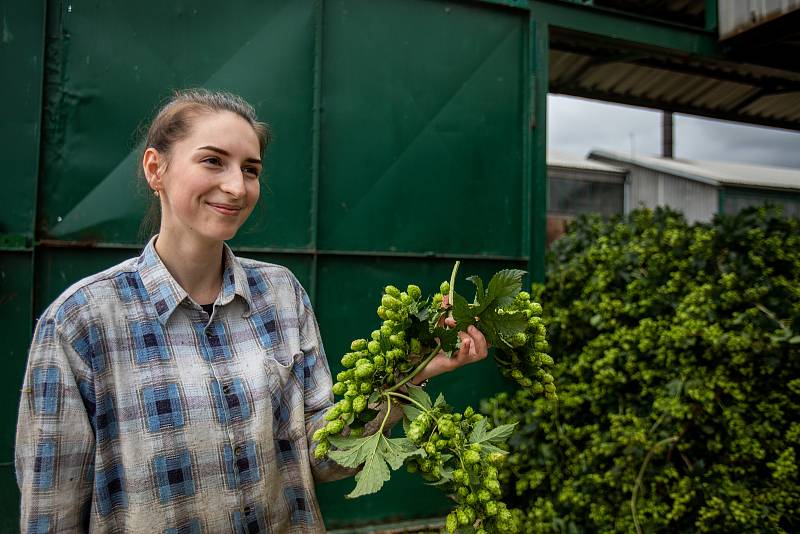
(411, 412)
(396, 450)
(462, 312)
(489, 449)
(352, 452)
(481, 434)
(373, 475)
(377, 453)
(478, 431)
(480, 294)
(504, 286)
(419, 395)
(374, 397)
(448, 338)
(349, 418)
(500, 433)
(439, 401)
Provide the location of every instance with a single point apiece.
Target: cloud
(578, 125)
(698, 138)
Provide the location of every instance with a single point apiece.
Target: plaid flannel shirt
(140, 413)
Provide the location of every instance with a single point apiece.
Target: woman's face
(211, 184)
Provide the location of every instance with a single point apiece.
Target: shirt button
(237, 450)
(246, 510)
(209, 333)
(226, 389)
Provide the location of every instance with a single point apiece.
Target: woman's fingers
(479, 342)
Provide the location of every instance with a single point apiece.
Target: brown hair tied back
(173, 122)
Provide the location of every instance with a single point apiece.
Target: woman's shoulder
(84, 293)
(271, 279)
(271, 272)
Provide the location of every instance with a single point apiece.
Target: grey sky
(577, 126)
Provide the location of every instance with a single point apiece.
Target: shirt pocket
(286, 395)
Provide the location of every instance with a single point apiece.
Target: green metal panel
(380, 111)
(15, 316)
(21, 52)
(110, 63)
(349, 293)
(421, 148)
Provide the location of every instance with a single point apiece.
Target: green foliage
(679, 380)
(459, 452)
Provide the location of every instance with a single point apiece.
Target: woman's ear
(152, 164)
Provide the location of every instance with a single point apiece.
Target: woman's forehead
(224, 130)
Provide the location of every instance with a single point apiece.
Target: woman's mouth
(225, 209)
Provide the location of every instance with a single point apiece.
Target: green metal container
(403, 142)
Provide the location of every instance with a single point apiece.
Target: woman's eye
(212, 161)
(251, 170)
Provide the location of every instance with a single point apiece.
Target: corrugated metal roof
(557, 158)
(690, 12)
(711, 172)
(591, 67)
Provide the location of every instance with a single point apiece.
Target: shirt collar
(166, 293)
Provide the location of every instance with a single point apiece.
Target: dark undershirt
(208, 308)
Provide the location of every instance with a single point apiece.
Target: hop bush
(679, 379)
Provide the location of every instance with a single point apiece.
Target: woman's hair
(173, 123)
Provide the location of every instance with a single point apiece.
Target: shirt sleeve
(54, 449)
(318, 398)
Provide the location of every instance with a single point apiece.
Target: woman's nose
(234, 183)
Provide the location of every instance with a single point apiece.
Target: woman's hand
(474, 347)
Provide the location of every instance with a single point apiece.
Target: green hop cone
(463, 517)
(365, 370)
(349, 359)
(491, 508)
(444, 288)
(392, 291)
(334, 427)
(414, 291)
(358, 344)
(320, 434)
(321, 450)
(333, 413)
(519, 339)
(451, 524)
(339, 388)
(471, 457)
(359, 404)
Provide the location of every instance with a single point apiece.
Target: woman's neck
(196, 266)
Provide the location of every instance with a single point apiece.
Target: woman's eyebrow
(226, 153)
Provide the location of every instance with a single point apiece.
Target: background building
(701, 189)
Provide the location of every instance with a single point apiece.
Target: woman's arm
(54, 452)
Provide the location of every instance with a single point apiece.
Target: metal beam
(539, 50)
(624, 26)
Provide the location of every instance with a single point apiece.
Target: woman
(177, 392)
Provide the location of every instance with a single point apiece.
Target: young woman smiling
(178, 391)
